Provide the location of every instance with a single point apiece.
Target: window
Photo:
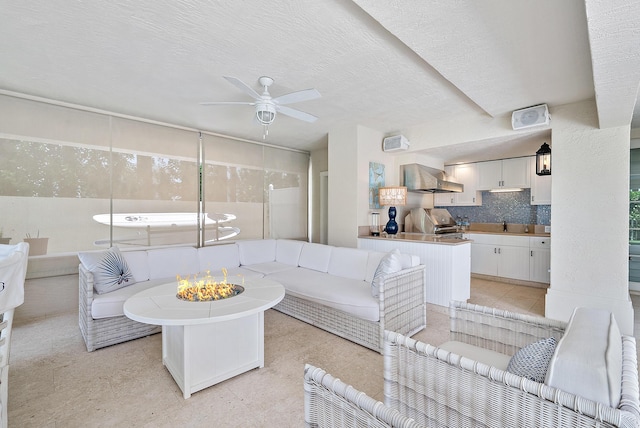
(86, 180)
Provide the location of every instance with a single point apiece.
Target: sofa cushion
(269, 267)
(110, 304)
(348, 263)
(348, 295)
(173, 261)
(288, 251)
(110, 269)
(409, 260)
(390, 263)
(373, 261)
(477, 353)
(138, 263)
(588, 359)
(216, 257)
(238, 273)
(257, 251)
(315, 256)
(533, 360)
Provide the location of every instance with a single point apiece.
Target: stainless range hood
(423, 179)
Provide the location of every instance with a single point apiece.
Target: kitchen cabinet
(500, 255)
(540, 186)
(505, 173)
(465, 174)
(516, 257)
(540, 259)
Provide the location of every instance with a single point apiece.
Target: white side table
(204, 343)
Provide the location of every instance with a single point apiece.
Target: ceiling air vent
(395, 144)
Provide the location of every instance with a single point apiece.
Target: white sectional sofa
(330, 287)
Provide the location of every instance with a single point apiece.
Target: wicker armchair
(329, 402)
(441, 389)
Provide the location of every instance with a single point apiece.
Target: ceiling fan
(266, 107)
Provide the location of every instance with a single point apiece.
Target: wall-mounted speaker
(395, 143)
(530, 116)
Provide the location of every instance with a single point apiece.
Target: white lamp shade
(393, 196)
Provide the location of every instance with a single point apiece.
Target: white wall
(319, 163)
(589, 216)
(343, 177)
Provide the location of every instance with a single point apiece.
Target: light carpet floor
(55, 382)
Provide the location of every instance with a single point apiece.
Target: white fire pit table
(204, 343)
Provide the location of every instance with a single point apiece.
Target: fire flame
(206, 288)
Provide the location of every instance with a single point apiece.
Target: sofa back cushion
(109, 268)
(138, 263)
(257, 251)
(315, 256)
(216, 257)
(169, 262)
(588, 359)
(288, 251)
(348, 263)
(373, 260)
(409, 260)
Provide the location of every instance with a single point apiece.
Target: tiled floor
(55, 382)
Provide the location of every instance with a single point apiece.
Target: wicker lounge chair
(438, 388)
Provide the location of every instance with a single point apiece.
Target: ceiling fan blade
(296, 97)
(243, 87)
(213, 103)
(296, 114)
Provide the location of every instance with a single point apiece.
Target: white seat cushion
(110, 304)
(588, 359)
(232, 274)
(476, 353)
(348, 295)
(269, 267)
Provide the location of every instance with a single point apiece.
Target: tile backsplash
(512, 207)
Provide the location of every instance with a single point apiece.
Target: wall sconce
(543, 160)
(392, 196)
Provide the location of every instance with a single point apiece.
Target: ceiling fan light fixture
(265, 113)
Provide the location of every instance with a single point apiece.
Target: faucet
(504, 226)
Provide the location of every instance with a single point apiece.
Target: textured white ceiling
(385, 65)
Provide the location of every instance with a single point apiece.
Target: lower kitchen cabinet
(516, 257)
(540, 259)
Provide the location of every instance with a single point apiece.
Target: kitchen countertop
(513, 229)
(543, 235)
(419, 237)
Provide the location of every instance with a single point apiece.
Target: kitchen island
(447, 262)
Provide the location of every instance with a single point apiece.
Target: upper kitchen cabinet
(467, 175)
(540, 186)
(505, 173)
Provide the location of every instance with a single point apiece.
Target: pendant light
(543, 160)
